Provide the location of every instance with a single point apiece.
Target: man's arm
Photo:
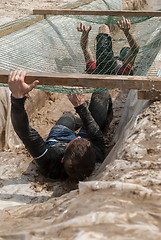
(30, 137)
(90, 125)
(47, 159)
(125, 26)
(84, 43)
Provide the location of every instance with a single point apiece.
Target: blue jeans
(60, 133)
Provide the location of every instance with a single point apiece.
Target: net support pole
(126, 13)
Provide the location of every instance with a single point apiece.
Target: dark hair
(79, 159)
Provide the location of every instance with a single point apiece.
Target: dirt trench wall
(35, 101)
(8, 138)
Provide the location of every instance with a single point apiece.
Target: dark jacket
(48, 158)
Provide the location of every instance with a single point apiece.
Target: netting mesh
(53, 44)
(15, 22)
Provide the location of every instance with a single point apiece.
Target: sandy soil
(14, 9)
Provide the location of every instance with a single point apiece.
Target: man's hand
(82, 28)
(17, 85)
(76, 99)
(84, 38)
(124, 25)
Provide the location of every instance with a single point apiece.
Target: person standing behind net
(106, 63)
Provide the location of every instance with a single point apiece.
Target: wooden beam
(98, 12)
(91, 80)
(149, 95)
(16, 27)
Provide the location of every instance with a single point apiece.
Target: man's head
(79, 159)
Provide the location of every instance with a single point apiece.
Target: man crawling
(64, 153)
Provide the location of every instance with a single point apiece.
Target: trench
(46, 110)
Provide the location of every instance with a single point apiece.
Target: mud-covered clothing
(48, 157)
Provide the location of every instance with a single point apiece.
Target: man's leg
(101, 108)
(105, 61)
(67, 120)
(64, 129)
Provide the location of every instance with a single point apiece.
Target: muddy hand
(76, 99)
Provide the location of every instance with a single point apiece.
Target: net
(53, 44)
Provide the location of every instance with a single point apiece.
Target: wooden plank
(91, 80)
(19, 26)
(98, 12)
(149, 95)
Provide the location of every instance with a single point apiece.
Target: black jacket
(48, 158)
